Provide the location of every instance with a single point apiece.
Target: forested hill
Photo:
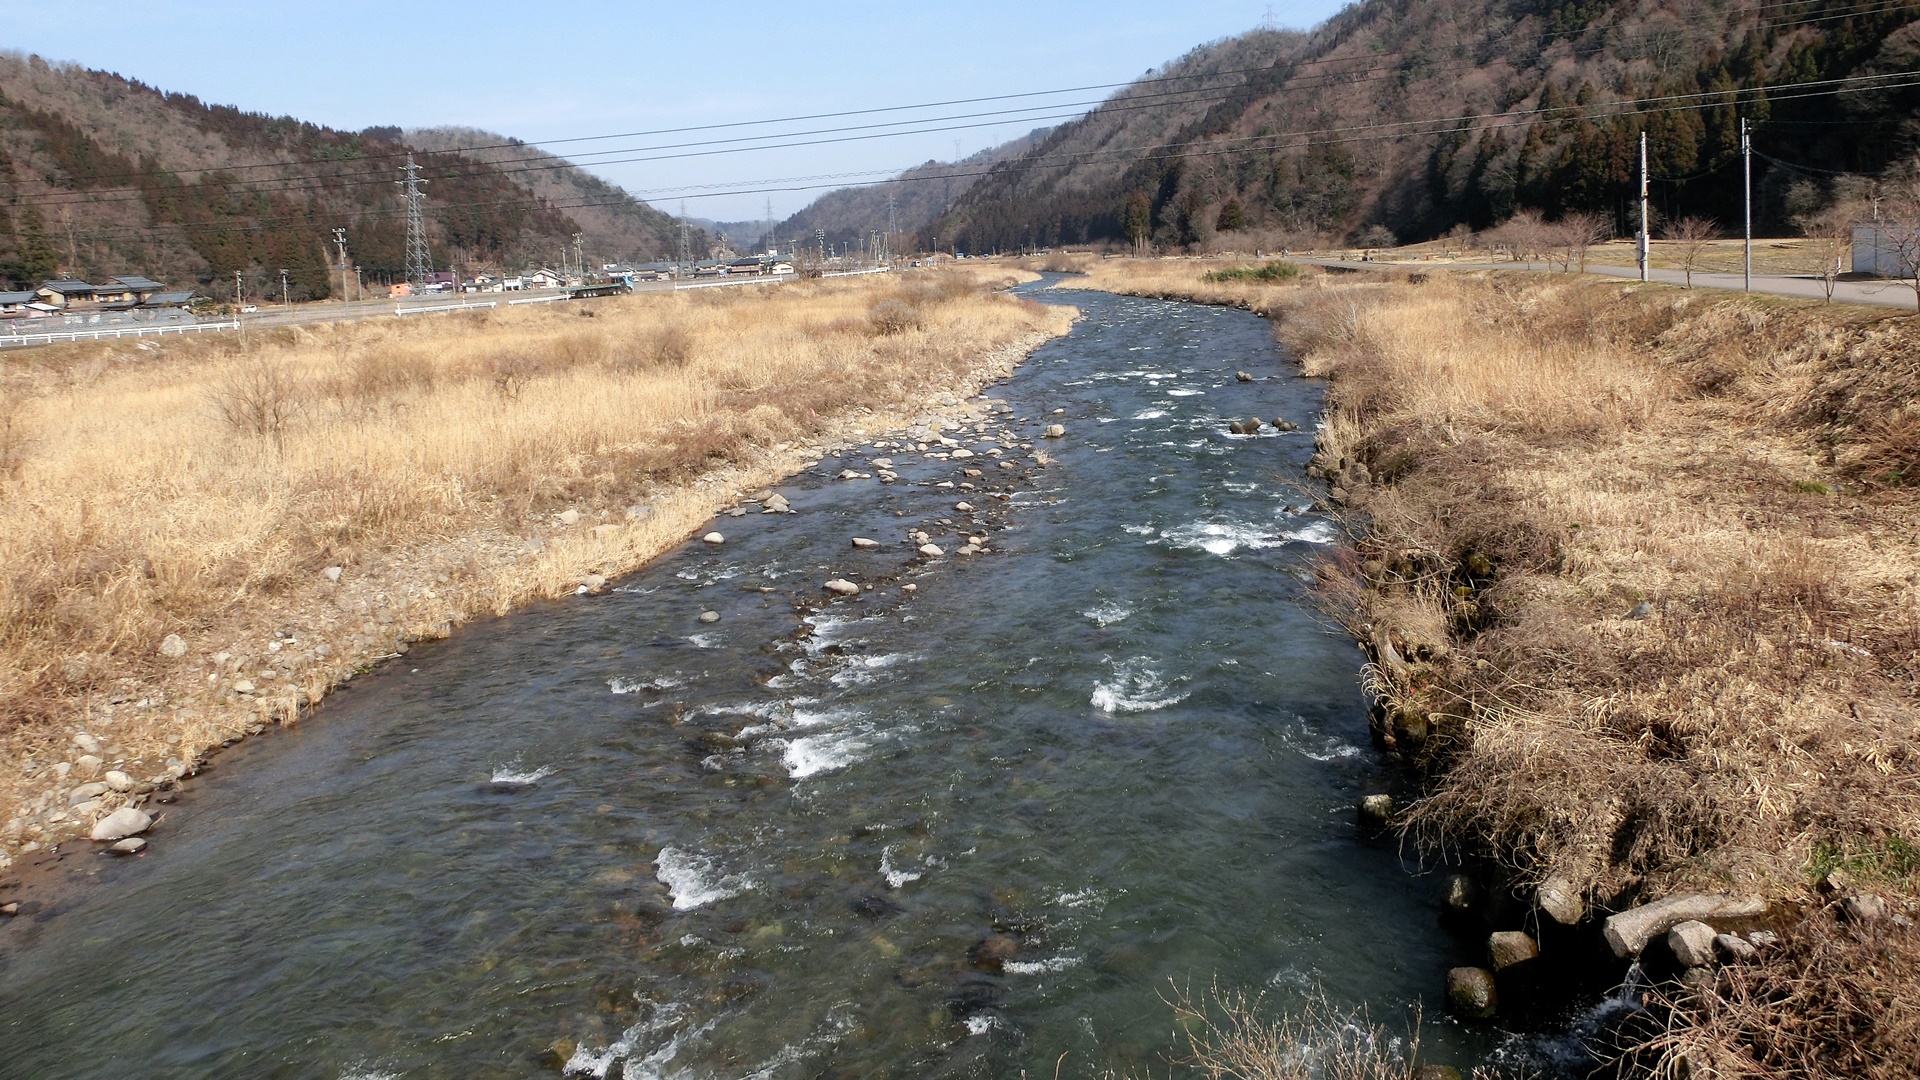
(920, 196)
(102, 175)
(1409, 118)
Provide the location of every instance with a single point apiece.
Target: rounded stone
(1376, 811)
(709, 616)
(1470, 993)
(713, 538)
(842, 587)
(121, 824)
(173, 646)
(132, 845)
(118, 781)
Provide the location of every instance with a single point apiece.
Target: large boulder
(121, 824)
(1629, 931)
(1470, 993)
(1509, 948)
(1561, 901)
(1692, 943)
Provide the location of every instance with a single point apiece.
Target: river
(960, 831)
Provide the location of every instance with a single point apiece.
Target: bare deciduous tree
(1582, 231)
(1521, 236)
(1829, 235)
(1690, 237)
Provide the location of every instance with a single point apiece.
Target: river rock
(1864, 908)
(1561, 901)
(331, 573)
(119, 781)
(132, 845)
(931, 551)
(87, 743)
(1470, 993)
(121, 824)
(592, 583)
(86, 765)
(1736, 948)
(1242, 376)
(909, 589)
(961, 454)
(86, 793)
(776, 504)
(883, 463)
(1376, 811)
(709, 616)
(713, 538)
(1283, 424)
(1437, 1072)
(1056, 431)
(1629, 931)
(1460, 894)
(569, 518)
(992, 953)
(963, 507)
(173, 646)
(864, 543)
(842, 587)
(1692, 943)
(1510, 947)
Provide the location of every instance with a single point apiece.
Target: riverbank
(202, 538)
(1635, 568)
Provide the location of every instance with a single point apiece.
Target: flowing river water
(955, 832)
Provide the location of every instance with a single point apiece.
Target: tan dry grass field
(1640, 573)
(200, 537)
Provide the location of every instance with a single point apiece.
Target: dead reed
(201, 537)
(1640, 571)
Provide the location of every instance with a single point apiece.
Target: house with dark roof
(132, 289)
(61, 294)
(15, 303)
(179, 298)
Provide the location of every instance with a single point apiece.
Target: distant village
(132, 296)
(610, 273)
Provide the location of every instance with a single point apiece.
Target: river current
(954, 832)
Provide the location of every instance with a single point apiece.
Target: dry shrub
(1837, 1000)
(259, 397)
(16, 434)
(890, 317)
(1231, 1036)
(669, 346)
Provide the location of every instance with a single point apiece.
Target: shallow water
(604, 836)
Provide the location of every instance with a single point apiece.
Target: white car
(249, 309)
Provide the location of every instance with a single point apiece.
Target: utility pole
(419, 262)
(1746, 168)
(284, 300)
(239, 318)
(579, 256)
(340, 238)
(1646, 232)
(686, 242)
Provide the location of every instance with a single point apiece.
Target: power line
(918, 126)
(1507, 120)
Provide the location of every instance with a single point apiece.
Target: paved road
(1895, 294)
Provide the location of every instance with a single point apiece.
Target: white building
(1874, 251)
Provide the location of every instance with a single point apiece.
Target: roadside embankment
(201, 537)
(1639, 573)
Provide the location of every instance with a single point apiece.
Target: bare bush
(890, 317)
(668, 346)
(259, 397)
(1231, 1036)
(1691, 237)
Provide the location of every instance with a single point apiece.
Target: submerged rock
(992, 953)
(864, 543)
(1376, 811)
(842, 587)
(132, 845)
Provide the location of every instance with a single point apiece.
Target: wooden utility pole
(1646, 235)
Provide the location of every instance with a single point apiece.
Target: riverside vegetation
(1637, 571)
(202, 537)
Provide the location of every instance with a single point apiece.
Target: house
(1876, 251)
(399, 290)
(747, 266)
(62, 294)
(514, 283)
(177, 299)
(544, 278)
(709, 269)
(130, 290)
(15, 303)
(781, 269)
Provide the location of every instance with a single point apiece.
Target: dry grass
(201, 488)
(1641, 575)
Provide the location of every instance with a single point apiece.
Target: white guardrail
(450, 307)
(10, 340)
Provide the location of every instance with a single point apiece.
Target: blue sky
(540, 71)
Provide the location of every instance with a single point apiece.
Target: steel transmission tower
(419, 262)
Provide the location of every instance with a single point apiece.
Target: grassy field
(202, 537)
(1640, 574)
